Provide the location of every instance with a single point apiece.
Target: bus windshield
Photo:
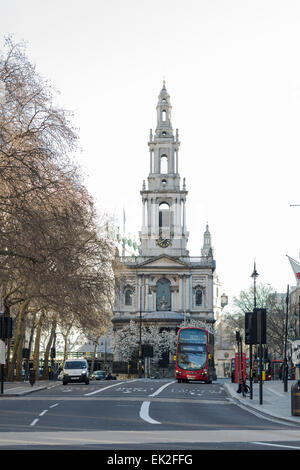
(192, 349)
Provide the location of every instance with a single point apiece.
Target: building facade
(164, 284)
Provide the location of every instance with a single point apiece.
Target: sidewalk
(275, 401)
(15, 389)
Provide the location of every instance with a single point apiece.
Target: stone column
(190, 293)
(147, 293)
(182, 292)
(144, 220)
(183, 222)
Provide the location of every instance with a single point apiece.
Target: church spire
(207, 248)
(164, 126)
(164, 213)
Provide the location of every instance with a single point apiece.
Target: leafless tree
(55, 251)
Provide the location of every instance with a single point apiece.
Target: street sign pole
(285, 343)
(254, 276)
(259, 323)
(2, 362)
(251, 373)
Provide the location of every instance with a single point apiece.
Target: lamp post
(299, 317)
(254, 275)
(238, 364)
(140, 329)
(285, 343)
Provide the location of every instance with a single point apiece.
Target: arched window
(198, 297)
(163, 294)
(164, 164)
(164, 217)
(164, 115)
(128, 296)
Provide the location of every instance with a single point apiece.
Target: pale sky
(232, 70)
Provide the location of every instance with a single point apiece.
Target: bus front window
(192, 349)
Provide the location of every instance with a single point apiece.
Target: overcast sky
(232, 70)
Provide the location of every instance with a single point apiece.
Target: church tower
(164, 285)
(164, 218)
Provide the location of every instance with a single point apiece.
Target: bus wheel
(179, 381)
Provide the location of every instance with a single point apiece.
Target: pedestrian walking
(32, 377)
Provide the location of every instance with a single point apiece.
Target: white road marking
(109, 386)
(161, 388)
(43, 413)
(275, 445)
(55, 404)
(144, 413)
(34, 422)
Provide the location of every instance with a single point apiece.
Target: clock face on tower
(163, 242)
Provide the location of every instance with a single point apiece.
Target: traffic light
(251, 327)
(256, 325)
(5, 327)
(25, 353)
(261, 325)
(52, 353)
(147, 350)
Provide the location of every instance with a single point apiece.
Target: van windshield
(75, 365)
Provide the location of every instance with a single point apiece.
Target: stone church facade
(164, 285)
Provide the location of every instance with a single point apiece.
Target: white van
(76, 370)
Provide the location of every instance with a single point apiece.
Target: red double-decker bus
(194, 355)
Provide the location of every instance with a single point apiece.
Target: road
(138, 414)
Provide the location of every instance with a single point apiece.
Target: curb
(9, 392)
(266, 414)
(24, 392)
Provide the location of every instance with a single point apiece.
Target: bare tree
(266, 297)
(56, 253)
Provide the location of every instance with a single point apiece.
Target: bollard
(295, 399)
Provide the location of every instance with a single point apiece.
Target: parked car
(98, 375)
(110, 377)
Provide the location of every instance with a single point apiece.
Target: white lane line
(53, 406)
(274, 445)
(161, 388)
(144, 413)
(34, 422)
(43, 413)
(109, 386)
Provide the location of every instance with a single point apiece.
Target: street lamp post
(140, 330)
(299, 318)
(285, 343)
(237, 365)
(254, 275)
